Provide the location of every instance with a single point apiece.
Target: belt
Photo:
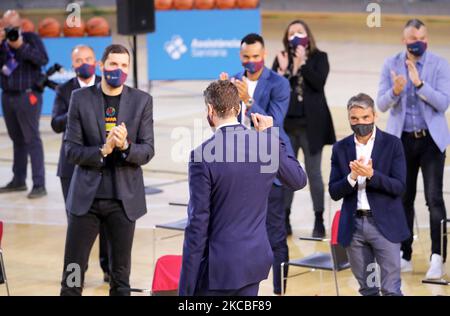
(364, 213)
(417, 134)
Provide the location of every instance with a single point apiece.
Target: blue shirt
(414, 119)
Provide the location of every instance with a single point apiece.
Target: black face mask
(362, 129)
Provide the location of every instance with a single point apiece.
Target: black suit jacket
(319, 124)
(59, 121)
(85, 135)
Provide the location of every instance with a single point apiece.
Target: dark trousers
(248, 290)
(276, 230)
(81, 234)
(103, 242)
(424, 154)
(298, 138)
(22, 122)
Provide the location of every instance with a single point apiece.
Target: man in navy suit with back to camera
(368, 171)
(263, 91)
(226, 247)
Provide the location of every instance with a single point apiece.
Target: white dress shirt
(251, 91)
(90, 82)
(366, 152)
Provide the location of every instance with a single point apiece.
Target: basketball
(49, 27)
(74, 31)
(204, 4)
(97, 26)
(226, 4)
(27, 25)
(163, 4)
(183, 4)
(247, 4)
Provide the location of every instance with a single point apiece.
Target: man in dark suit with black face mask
(109, 137)
(368, 171)
(84, 64)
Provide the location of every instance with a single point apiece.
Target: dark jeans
(22, 123)
(297, 136)
(424, 154)
(276, 230)
(81, 234)
(103, 245)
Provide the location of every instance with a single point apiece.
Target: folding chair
(336, 260)
(166, 276)
(3, 278)
(177, 226)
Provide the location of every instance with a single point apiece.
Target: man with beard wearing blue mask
(84, 64)
(109, 136)
(368, 171)
(414, 87)
(263, 91)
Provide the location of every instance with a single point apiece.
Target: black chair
(336, 260)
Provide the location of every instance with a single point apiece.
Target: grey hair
(361, 100)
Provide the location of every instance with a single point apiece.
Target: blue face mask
(85, 71)
(253, 66)
(417, 48)
(115, 78)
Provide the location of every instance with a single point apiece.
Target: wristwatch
(420, 85)
(101, 152)
(250, 102)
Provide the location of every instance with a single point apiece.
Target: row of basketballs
(205, 4)
(51, 27)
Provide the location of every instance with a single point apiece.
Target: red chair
(3, 278)
(336, 260)
(166, 275)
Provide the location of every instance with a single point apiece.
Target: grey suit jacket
(85, 135)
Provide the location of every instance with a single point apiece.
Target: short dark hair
(361, 100)
(252, 38)
(416, 23)
(223, 97)
(114, 49)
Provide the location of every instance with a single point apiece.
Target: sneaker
(405, 265)
(13, 187)
(37, 192)
(436, 270)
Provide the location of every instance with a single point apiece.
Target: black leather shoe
(106, 277)
(13, 187)
(37, 192)
(288, 229)
(319, 230)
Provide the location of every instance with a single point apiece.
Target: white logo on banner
(175, 47)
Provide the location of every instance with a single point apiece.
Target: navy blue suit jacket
(384, 190)
(271, 98)
(226, 240)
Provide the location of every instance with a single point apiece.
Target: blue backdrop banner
(198, 44)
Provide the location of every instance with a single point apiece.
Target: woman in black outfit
(308, 121)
